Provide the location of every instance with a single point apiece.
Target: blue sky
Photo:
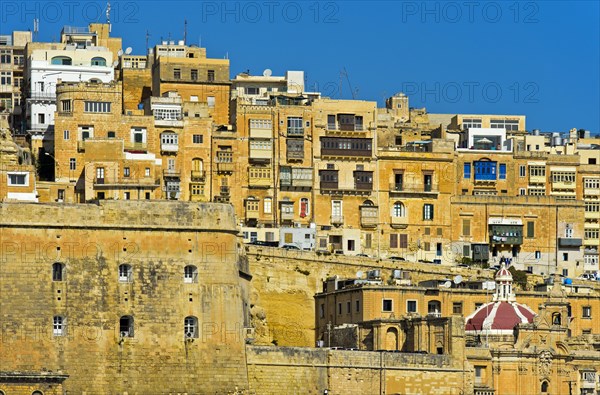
(537, 58)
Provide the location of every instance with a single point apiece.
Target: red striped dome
(503, 314)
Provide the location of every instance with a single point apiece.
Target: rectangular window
(522, 191)
(522, 171)
(66, 135)
(393, 240)
(97, 106)
(147, 172)
(194, 74)
(466, 227)
(126, 172)
(467, 170)
(502, 171)
(177, 74)
(348, 307)
(530, 229)
(72, 164)
(65, 105)
(20, 179)
(538, 255)
(387, 305)
(197, 139)
(565, 272)
(267, 205)
(210, 75)
(210, 100)
(457, 308)
(403, 238)
(428, 211)
(251, 90)
(357, 306)
(368, 240)
(411, 306)
(586, 312)
(58, 326)
(565, 256)
(339, 308)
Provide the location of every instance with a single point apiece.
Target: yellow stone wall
(92, 241)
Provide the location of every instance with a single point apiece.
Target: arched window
(98, 61)
(434, 308)
(125, 273)
(62, 60)
(190, 274)
(544, 386)
(58, 271)
(197, 164)
(556, 319)
(37, 393)
(190, 327)
(126, 326)
(304, 208)
(58, 325)
(398, 210)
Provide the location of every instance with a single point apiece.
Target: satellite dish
(458, 279)
(447, 284)
(128, 50)
(120, 53)
(359, 274)
(267, 73)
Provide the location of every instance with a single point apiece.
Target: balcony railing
(537, 179)
(171, 173)
(368, 216)
(252, 213)
(295, 131)
(413, 188)
(287, 215)
(130, 146)
(295, 155)
(399, 221)
(198, 175)
(169, 147)
(337, 152)
(364, 186)
(337, 219)
(296, 183)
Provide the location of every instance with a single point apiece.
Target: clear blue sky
(538, 58)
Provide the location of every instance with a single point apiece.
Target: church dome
(501, 315)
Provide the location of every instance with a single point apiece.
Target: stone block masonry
(147, 297)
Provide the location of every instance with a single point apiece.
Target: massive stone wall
(157, 239)
(272, 370)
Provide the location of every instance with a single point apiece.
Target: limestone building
(546, 344)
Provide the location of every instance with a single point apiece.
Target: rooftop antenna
(36, 27)
(147, 38)
(185, 32)
(200, 41)
(108, 16)
(353, 92)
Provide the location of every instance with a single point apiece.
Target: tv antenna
(36, 27)
(353, 92)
